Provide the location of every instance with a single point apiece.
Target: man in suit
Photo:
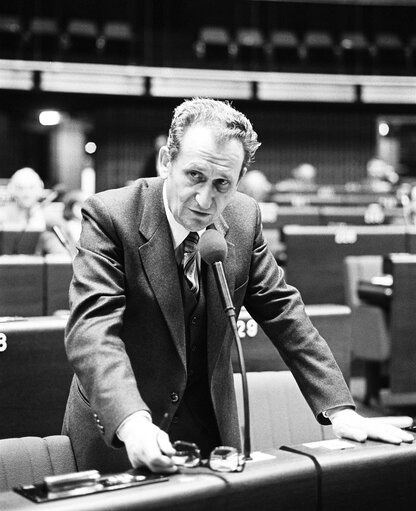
(147, 335)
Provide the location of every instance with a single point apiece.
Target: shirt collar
(178, 231)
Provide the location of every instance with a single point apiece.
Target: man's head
(25, 187)
(209, 148)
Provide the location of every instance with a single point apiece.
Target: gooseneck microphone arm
(213, 250)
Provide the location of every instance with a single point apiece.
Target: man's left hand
(347, 423)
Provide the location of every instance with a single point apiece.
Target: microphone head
(213, 247)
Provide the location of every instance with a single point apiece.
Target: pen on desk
(164, 422)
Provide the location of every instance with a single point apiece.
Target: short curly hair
(228, 122)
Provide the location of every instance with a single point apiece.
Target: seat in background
(42, 40)
(117, 42)
(250, 48)
(282, 49)
(80, 40)
(318, 51)
(279, 413)
(28, 460)
(389, 53)
(356, 53)
(214, 46)
(11, 37)
(370, 335)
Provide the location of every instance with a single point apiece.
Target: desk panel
(332, 321)
(286, 482)
(371, 476)
(35, 377)
(58, 275)
(21, 285)
(315, 256)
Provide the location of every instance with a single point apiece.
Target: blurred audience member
(69, 227)
(151, 165)
(24, 211)
(303, 179)
(381, 176)
(374, 214)
(255, 184)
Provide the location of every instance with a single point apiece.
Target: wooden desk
(371, 476)
(332, 321)
(315, 256)
(287, 483)
(21, 285)
(34, 377)
(58, 275)
(402, 367)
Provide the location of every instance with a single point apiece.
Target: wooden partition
(21, 285)
(34, 285)
(315, 255)
(332, 321)
(402, 366)
(34, 376)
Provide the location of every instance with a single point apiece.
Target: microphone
(213, 250)
(72, 251)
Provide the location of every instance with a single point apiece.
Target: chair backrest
(29, 459)
(279, 413)
(358, 268)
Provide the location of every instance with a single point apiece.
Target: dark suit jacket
(126, 335)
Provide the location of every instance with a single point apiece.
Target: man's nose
(204, 197)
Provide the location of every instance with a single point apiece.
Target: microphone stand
(229, 310)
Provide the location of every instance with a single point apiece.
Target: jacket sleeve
(93, 343)
(279, 309)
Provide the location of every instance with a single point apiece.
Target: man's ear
(163, 162)
(242, 173)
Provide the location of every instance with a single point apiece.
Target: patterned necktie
(190, 262)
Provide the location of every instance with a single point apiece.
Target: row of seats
(284, 47)
(44, 38)
(118, 41)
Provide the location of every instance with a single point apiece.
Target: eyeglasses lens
(187, 454)
(226, 459)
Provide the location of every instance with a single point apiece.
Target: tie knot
(191, 242)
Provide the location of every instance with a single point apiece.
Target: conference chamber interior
(86, 87)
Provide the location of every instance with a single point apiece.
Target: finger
(390, 434)
(399, 421)
(163, 464)
(165, 444)
(350, 432)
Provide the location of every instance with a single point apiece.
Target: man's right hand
(147, 445)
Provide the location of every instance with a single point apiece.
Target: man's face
(203, 178)
(27, 191)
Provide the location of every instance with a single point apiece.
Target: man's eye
(194, 175)
(223, 185)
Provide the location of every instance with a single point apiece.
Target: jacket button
(175, 420)
(194, 320)
(174, 397)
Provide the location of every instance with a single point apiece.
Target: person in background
(303, 180)
(69, 226)
(381, 176)
(255, 184)
(147, 335)
(24, 211)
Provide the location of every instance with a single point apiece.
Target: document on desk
(333, 445)
(260, 456)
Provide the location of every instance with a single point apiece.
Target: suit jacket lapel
(217, 320)
(159, 263)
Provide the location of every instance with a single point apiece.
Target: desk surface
(286, 482)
